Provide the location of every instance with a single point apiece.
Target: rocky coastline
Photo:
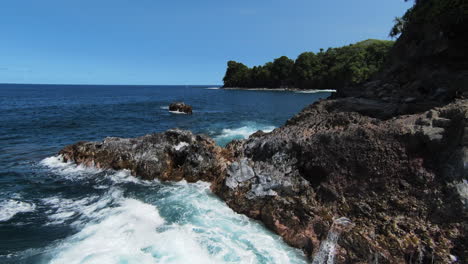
(390, 155)
(399, 180)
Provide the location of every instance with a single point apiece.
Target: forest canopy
(330, 69)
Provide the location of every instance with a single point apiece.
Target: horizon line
(89, 84)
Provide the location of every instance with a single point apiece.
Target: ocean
(54, 212)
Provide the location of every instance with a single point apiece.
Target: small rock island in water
(388, 154)
(180, 107)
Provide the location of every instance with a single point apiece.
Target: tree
(330, 69)
(306, 67)
(236, 74)
(281, 71)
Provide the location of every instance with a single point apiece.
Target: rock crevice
(401, 181)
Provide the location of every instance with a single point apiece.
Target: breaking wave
(156, 223)
(229, 134)
(9, 208)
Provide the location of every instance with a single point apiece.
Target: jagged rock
(400, 180)
(173, 155)
(180, 107)
(374, 171)
(238, 173)
(390, 155)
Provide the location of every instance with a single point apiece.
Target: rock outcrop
(401, 181)
(171, 156)
(180, 107)
(398, 180)
(390, 155)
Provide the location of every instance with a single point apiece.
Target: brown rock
(180, 107)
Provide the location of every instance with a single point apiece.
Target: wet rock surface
(396, 179)
(173, 155)
(390, 155)
(180, 107)
(401, 181)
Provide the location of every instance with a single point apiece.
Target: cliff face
(428, 64)
(391, 155)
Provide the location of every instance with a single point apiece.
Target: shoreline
(260, 189)
(296, 90)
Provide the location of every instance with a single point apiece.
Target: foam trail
(68, 169)
(122, 235)
(166, 107)
(9, 208)
(165, 223)
(327, 251)
(202, 229)
(213, 88)
(462, 189)
(178, 112)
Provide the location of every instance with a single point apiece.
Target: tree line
(330, 69)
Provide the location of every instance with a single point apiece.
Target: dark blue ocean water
(54, 212)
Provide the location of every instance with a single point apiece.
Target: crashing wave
(179, 223)
(10, 208)
(229, 134)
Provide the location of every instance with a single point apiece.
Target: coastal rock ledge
(400, 180)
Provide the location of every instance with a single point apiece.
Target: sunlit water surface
(55, 212)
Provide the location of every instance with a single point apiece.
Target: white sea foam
(63, 209)
(213, 88)
(229, 134)
(316, 91)
(199, 227)
(207, 231)
(125, 176)
(72, 171)
(327, 251)
(181, 145)
(9, 208)
(166, 107)
(230, 237)
(262, 89)
(122, 235)
(178, 112)
(68, 169)
(462, 188)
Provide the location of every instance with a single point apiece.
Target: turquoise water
(54, 212)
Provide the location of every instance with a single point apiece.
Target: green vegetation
(330, 69)
(447, 15)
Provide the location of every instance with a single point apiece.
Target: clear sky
(173, 41)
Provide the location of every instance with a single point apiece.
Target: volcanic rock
(180, 107)
(173, 155)
(389, 155)
(401, 181)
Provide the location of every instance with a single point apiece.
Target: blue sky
(173, 41)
